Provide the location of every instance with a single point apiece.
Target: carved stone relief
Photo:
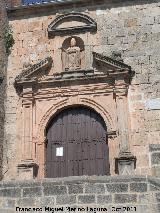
(72, 54)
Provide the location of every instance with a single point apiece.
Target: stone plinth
(125, 164)
(27, 170)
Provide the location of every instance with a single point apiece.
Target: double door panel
(77, 144)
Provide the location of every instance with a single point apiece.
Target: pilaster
(27, 168)
(125, 162)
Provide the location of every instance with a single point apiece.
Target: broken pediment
(35, 71)
(112, 65)
(108, 69)
(71, 23)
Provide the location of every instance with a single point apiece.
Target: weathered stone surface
(158, 197)
(144, 198)
(155, 158)
(117, 187)
(30, 192)
(138, 187)
(154, 147)
(22, 202)
(125, 198)
(65, 199)
(55, 190)
(86, 199)
(47, 201)
(94, 188)
(104, 199)
(74, 189)
(8, 203)
(10, 192)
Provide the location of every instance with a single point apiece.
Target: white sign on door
(59, 151)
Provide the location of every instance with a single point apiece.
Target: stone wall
(3, 23)
(122, 194)
(131, 27)
(154, 159)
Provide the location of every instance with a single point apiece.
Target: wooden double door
(77, 144)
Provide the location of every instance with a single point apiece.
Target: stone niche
(75, 76)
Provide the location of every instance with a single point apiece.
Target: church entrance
(77, 144)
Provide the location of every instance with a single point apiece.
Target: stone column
(125, 162)
(27, 168)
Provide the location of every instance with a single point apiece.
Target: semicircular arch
(60, 106)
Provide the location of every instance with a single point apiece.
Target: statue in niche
(73, 56)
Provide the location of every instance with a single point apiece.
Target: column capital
(120, 88)
(27, 101)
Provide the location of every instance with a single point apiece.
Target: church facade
(80, 89)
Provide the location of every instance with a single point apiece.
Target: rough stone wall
(122, 194)
(133, 28)
(3, 23)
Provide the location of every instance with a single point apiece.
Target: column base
(27, 169)
(125, 164)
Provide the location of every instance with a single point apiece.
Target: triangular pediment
(35, 70)
(71, 23)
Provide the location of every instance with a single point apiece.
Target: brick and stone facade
(131, 28)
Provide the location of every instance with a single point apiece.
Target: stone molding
(91, 25)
